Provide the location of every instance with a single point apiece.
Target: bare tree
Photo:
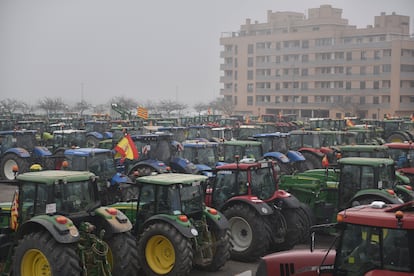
(100, 108)
(126, 103)
(199, 107)
(224, 106)
(168, 107)
(10, 106)
(81, 107)
(51, 105)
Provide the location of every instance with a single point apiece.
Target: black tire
(397, 137)
(278, 228)
(312, 161)
(142, 170)
(39, 252)
(163, 238)
(221, 250)
(285, 168)
(310, 220)
(297, 227)
(7, 163)
(123, 254)
(249, 231)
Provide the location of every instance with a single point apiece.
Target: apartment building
(319, 66)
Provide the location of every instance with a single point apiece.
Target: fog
(145, 50)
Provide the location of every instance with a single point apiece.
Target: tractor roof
(274, 134)
(243, 166)
(380, 215)
(376, 162)
(242, 143)
(171, 178)
(399, 145)
(365, 148)
(199, 144)
(85, 151)
(52, 176)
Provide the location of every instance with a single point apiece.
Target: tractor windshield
(74, 197)
(191, 199)
(244, 151)
(364, 248)
(263, 184)
(228, 184)
(102, 165)
(197, 155)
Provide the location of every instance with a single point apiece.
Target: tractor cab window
(34, 198)
(229, 184)
(74, 197)
(364, 248)
(386, 177)
(191, 201)
(262, 183)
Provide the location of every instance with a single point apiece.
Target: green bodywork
(356, 180)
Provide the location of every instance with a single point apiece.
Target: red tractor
(262, 217)
(375, 239)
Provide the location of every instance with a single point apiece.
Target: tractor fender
(107, 135)
(95, 134)
(217, 218)
(21, 152)
(261, 207)
(313, 151)
(119, 178)
(185, 228)
(183, 165)
(295, 156)
(278, 156)
(285, 200)
(377, 195)
(41, 151)
(112, 222)
(158, 166)
(62, 233)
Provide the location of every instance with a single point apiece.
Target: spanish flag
(126, 148)
(14, 211)
(325, 161)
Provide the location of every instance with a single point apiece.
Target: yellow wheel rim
(160, 254)
(35, 263)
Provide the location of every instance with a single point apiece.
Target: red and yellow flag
(14, 211)
(349, 123)
(325, 161)
(126, 148)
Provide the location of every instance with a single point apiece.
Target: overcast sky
(146, 50)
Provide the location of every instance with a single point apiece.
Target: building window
(377, 54)
(250, 87)
(375, 100)
(250, 62)
(386, 84)
(305, 58)
(362, 100)
(235, 88)
(386, 68)
(376, 84)
(363, 70)
(277, 86)
(277, 99)
(363, 55)
(305, 44)
(386, 52)
(235, 100)
(277, 59)
(250, 74)
(304, 86)
(304, 99)
(376, 70)
(249, 100)
(285, 85)
(250, 49)
(407, 68)
(304, 71)
(349, 71)
(348, 55)
(362, 84)
(348, 85)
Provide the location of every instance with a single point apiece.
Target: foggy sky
(146, 50)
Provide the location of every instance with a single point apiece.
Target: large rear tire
(7, 163)
(123, 256)
(39, 254)
(250, 235)
(163, 250)
(221, 249)
(297, 227)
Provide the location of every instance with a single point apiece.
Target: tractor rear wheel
(39, 254)
(250, 233)
(8, 161)
(123, 254)
(163, 250)
(297, 227)
(221, 249)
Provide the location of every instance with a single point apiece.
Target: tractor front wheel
(250, 233)
(163, 250)
(39, 254)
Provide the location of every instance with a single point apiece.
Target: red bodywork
(398, 145)
(297, 262)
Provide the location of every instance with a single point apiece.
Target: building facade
(319, 66)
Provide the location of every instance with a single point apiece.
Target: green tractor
(57, 226)
(356, 180)
(174, 228)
